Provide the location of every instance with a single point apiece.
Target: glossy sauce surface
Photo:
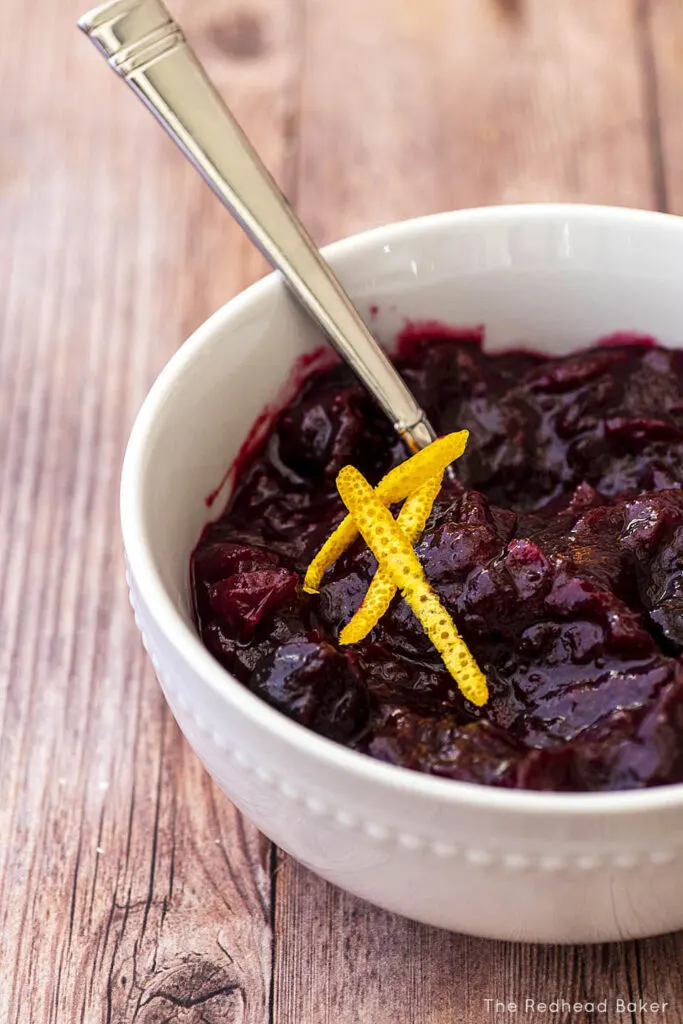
(559, 554)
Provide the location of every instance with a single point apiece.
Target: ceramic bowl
(504, 864)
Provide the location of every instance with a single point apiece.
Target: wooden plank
(659, 962)
(409, 108)
(345, 961)
(662, 33)
(130, 890)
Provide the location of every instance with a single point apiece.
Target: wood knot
(196, 989)
(512, 8)
(240, 37)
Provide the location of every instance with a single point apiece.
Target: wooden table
(130, 889)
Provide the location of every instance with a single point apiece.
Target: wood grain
(408, 108)
(345, 961)
(130, 889)
(662, 28)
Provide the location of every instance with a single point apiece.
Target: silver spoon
(147, 48)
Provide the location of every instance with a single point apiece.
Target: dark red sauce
(559, 553)
(319, 359)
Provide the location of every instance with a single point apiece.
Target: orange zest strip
(394, 552)
(411, 521)
(395, 486)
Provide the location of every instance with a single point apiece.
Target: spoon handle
(147, 48)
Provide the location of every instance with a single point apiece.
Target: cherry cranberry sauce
(559, 554)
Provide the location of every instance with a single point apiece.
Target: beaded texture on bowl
(478, 858)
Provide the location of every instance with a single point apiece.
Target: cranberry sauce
(559, 554)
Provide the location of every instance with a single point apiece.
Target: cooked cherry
(313, 684)
(244, 598)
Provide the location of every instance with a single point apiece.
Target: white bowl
(504, 864)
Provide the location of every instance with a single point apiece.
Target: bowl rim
(187, 643)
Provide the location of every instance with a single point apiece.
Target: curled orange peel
(395, 486)
(411, 521)
(394, 552)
